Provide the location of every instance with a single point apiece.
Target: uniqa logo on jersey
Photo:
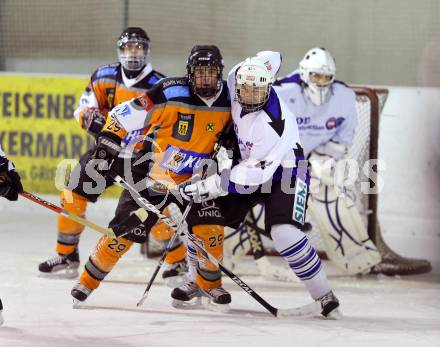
(333, 122)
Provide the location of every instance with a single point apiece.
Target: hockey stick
(164, 254)
(307, 310)
(131, 220)
(67, 214)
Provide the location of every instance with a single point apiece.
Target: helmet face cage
(252, 98)
(253, 84)
(205, 71)
(133, 49)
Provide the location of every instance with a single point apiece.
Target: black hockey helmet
(133, 47)
(205, 55)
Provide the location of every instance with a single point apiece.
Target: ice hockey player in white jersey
(271, 170)
(10, 187)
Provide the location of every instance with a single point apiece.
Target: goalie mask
(317, 70)
(133, 48)
(253, 83)
(205, 70)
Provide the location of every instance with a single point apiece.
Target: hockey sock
(107, 253)
(293, 245)
(68, 230)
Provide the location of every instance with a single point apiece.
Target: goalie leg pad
(211, 236)
(342, 231)
(68, 230)
(107, 253)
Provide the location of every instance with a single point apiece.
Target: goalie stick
(313, 308)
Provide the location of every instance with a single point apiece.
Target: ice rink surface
(378, 310)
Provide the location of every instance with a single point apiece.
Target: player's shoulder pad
(289, 79)
(154, 77)
(106, 71)
(130, 114)
(174, 87)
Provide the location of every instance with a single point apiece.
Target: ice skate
(175, 274)
(60, 266)
(186, 296)
(80, 293)
(329, 306)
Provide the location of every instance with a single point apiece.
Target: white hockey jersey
(335, 120)
(266, 137)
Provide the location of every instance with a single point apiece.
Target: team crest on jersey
(333, 122)
(183, 128)
(210, 127)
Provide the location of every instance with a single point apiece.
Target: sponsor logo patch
(183, 128)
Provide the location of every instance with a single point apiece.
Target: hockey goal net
(369, 105)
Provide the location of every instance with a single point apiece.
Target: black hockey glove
(92, 120)
(10, 183)
(108, 147)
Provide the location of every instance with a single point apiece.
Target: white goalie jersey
(335, 120)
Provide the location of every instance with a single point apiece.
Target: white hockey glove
(204, 190)
(323, 170)
(224, 162)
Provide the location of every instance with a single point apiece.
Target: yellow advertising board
(37, 127)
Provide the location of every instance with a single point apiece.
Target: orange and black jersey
(109, 86)
(182, 128)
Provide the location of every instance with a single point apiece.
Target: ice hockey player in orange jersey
(183, 119)
(109, 86)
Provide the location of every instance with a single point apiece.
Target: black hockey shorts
(204, 213)
(279, 206)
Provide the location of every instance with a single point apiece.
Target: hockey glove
(10, 183)
(108, 147)
(224, 162)
(204, 190)
(92, 120)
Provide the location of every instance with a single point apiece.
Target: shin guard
(211, 236)
(107, 253)
(68, 230)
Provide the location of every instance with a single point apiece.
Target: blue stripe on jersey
(153, 80)
(176, 91)
(295, 78)
(107, 71)
(272, 106)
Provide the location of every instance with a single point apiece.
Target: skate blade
(76, 303)
(175, 281)
(192, 304)
(68, 274)
(212, 306)
(334, 315)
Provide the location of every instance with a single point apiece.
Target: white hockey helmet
(317, 69)
(253, 83)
